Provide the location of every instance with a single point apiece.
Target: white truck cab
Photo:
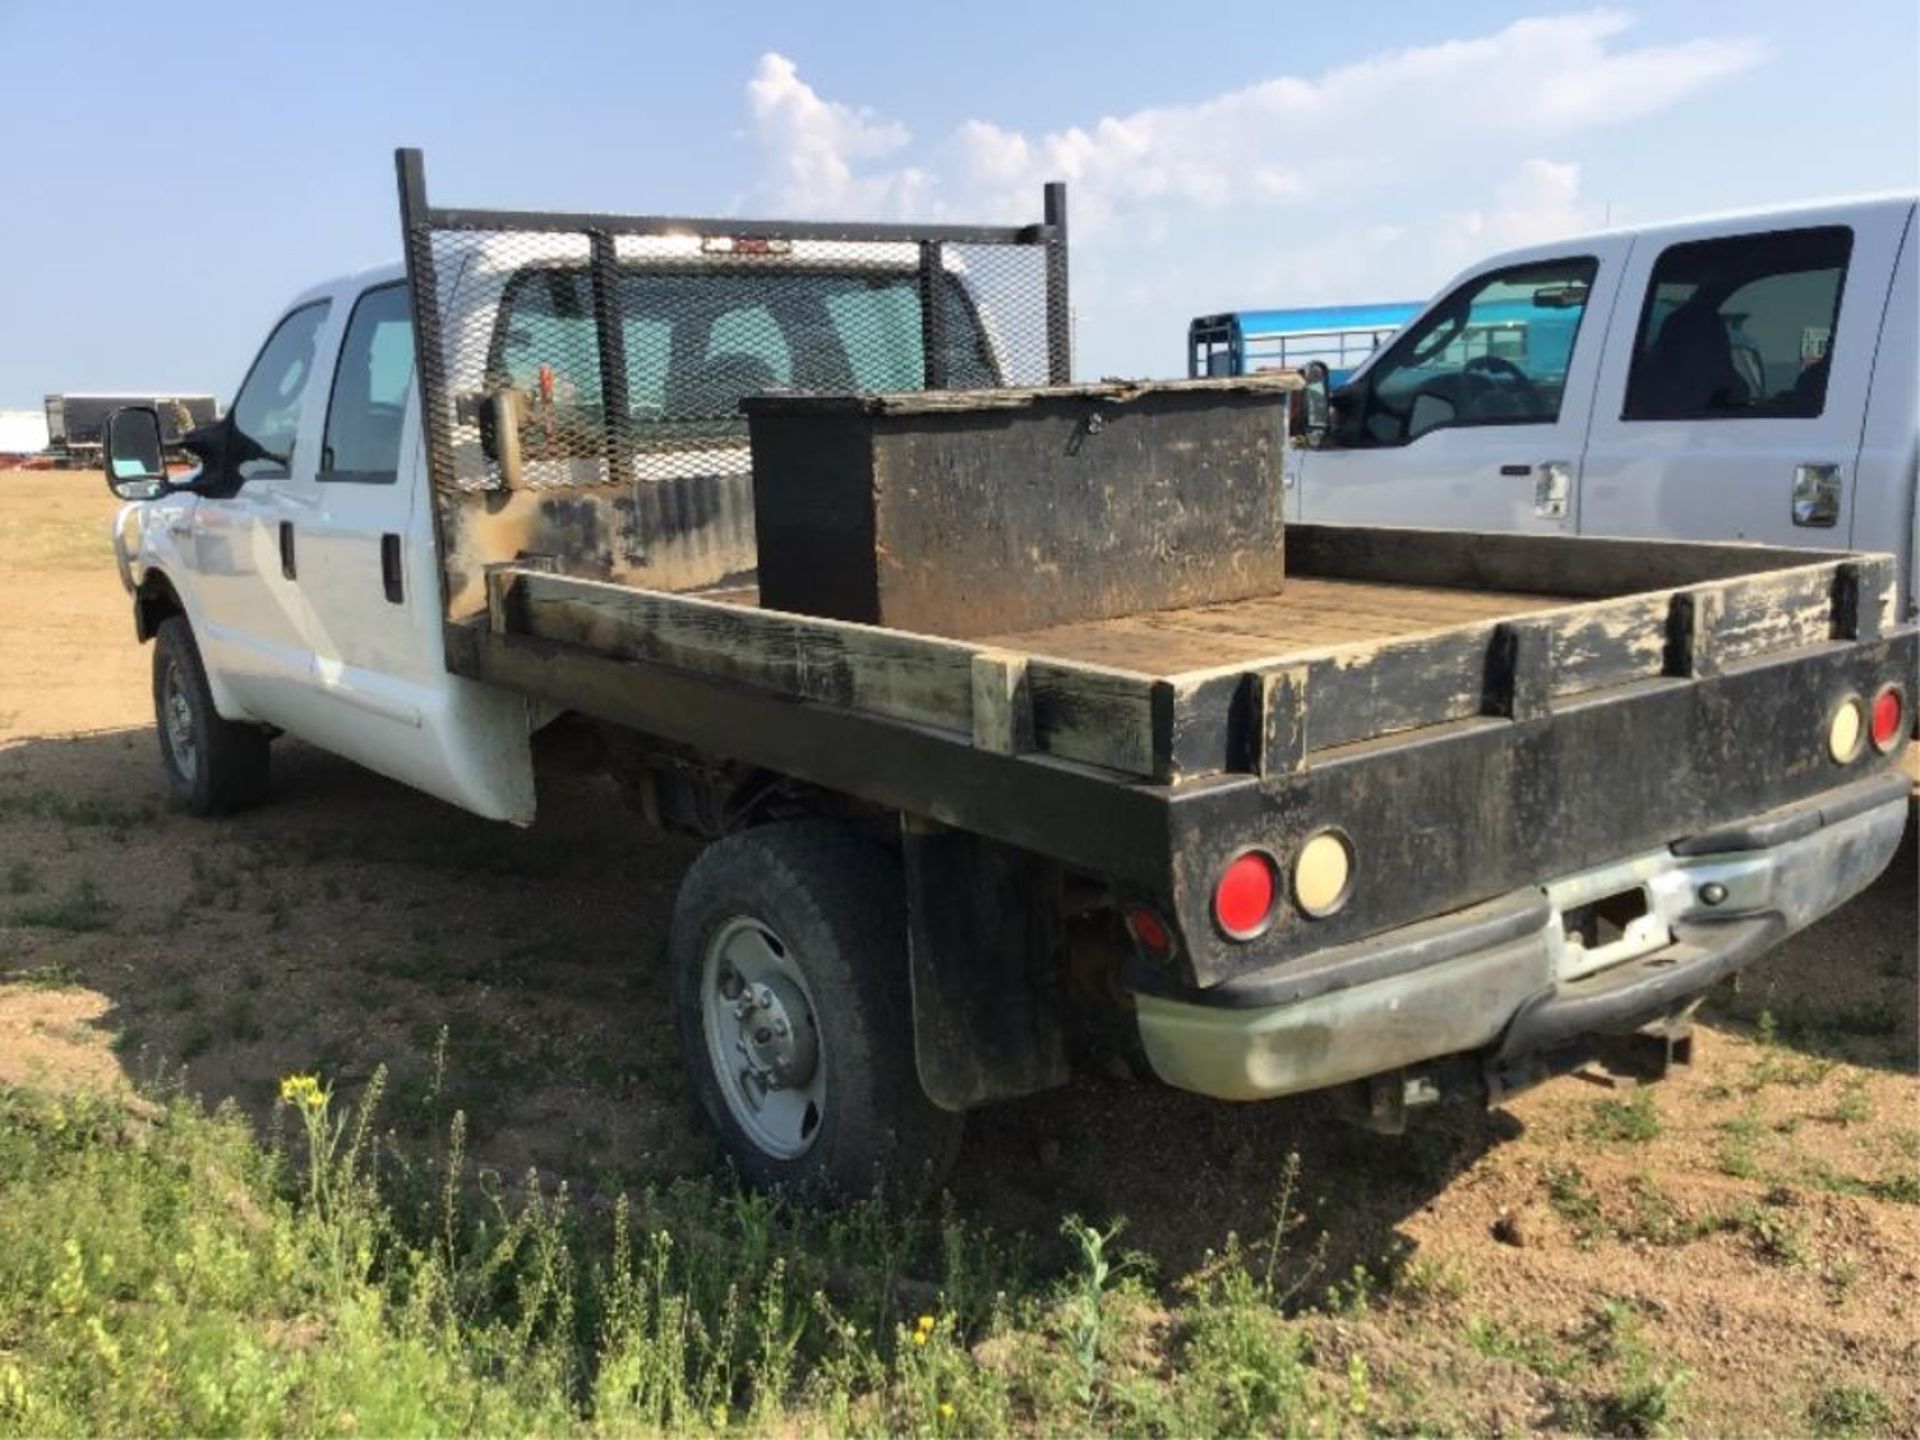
(309, 580)
(1744, 377)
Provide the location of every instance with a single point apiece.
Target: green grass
(1530, 1350)
(1850, 1410)
(1632, 1122)
(1739, 1139)
(1854, 1105)
(55, 976)
(1646, 1397)
(82, 908)
(161, 1271)
(1573, 1200)
(74, 810)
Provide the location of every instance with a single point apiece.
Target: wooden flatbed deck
(1310, 614)
(1382, 631)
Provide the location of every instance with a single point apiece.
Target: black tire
(216, 766)
(837, 901)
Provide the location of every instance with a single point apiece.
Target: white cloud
(1372, 180)
(815, 144)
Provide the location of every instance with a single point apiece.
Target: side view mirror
(1311, 414)
(136, 463)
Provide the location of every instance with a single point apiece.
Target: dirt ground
(1759, 1211)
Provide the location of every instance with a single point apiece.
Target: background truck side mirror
(1314, 415)
(136, 461)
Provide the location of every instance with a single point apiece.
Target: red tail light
(1889, 711)
(1244, 898)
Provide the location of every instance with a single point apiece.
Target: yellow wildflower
(303, 1091)
(946, 1409)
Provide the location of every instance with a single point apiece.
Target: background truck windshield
(696, 342)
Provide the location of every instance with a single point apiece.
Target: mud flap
(983, 932)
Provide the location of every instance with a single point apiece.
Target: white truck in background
(1744, 377)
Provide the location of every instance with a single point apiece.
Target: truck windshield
(696, 342)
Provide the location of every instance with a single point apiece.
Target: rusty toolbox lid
(920, 402)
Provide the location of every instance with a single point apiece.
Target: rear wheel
(791, 998)
(213, 765)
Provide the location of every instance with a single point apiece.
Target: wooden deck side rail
(1267, 719)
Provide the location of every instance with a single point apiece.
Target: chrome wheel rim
(757, 1016)
(176, 723)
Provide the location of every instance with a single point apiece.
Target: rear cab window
(1739, 327)
(370, 383)
(695, 343)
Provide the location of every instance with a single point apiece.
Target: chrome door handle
(180, 528)
(1552, 488)
(1816, 495)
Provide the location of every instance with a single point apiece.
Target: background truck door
(372, 591)
(1734, 389)
(246, 540)
(1474, 416)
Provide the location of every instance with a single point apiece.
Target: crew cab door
(370, 583)
(1474, 417)
(244, 532)
(1734, 390)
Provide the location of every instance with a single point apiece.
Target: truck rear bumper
(1505, 980)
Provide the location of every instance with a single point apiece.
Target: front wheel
(791, 997)
(212, 765)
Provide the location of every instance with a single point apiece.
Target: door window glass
(370, 390)
(1739, 327)
(266, 412)
(1495, 352)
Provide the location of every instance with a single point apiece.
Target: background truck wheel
(214, 765)
(789, 950)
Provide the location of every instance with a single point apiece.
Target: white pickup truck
(987, 688)
(1750, 376)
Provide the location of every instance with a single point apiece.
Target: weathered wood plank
(1519, 670)
(1585, 566)
(1002, 703)
(1783, 610)
(1691, 626)
(1863, 592)
(1283, 722)
(915, 678)
(1609, 642)
(1092, 715)
(1366, 691)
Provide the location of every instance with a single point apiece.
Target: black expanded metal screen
(562, 351)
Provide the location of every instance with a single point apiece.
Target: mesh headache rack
(571, 351)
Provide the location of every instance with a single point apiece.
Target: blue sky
(175, 172)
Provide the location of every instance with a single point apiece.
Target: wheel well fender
(156, 600)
